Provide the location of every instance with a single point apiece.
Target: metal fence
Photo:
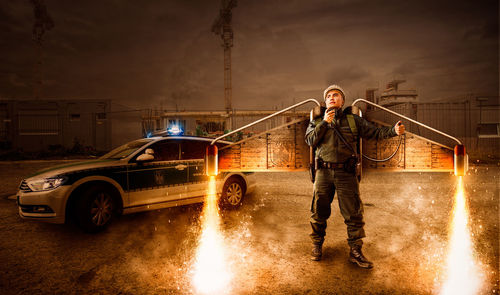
(460, 119)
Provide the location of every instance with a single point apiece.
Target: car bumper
(251, 182)
(28, 202)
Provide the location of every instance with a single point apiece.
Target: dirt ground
(267, 241)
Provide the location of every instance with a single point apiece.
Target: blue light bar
(175, 130)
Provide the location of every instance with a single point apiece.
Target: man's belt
(329, 165)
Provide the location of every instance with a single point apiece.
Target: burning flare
(462, 274)
(211, 273)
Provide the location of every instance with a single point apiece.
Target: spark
(211, 272)
(462, 273)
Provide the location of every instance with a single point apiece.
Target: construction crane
(222, 27)
(43, 22)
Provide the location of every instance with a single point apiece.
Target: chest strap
(352, 125)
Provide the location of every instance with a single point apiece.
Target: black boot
(357, 257)
(316, 252)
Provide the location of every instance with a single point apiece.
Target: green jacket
(330, 148)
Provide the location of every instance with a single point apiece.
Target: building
(474, 120)
(393, 95)
(214, 123)
(34, 125)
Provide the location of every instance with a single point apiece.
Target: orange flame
(211, 273)
(462, 273)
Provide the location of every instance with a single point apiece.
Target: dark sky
(147, 53)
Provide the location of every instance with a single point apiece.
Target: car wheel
(232, 193)
(95, 209)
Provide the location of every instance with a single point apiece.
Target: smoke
(346, 75)
(156, 249)
(406, 217)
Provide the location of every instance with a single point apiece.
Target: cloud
(346, 75)
(487, 30)
(163, 51)
(405, 69)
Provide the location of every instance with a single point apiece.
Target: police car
(145, 174)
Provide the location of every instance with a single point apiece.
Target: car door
(193, 153)
(161, 180)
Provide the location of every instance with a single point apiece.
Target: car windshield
(126, 149)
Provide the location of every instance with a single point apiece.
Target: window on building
(101, 116)
(4, 122)
(74, 117)
(214, 126)
(488, 130)
(488, 101)
(38, 122)
(182, 124)
(177, 122)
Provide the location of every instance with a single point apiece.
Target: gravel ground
(267, 241)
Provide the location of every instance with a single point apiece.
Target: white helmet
(334, 87)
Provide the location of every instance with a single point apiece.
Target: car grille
(24, 187)
(36, 209)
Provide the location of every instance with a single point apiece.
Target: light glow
(46, 184)
(462, 273)
(175, 130)
(211, 271)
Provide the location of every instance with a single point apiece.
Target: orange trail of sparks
(461, 271)
(211, 273)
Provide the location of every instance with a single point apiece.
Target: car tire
(233, 192)
(95, 209)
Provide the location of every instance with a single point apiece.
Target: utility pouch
(353, 166)
(350, 165)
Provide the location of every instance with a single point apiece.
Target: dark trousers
(347, 187)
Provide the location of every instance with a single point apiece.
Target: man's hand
(399, 128)
(329, 116)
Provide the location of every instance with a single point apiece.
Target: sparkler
(462, 274)
(211, 273)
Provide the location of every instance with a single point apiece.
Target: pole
(404, 117)
(265, 118)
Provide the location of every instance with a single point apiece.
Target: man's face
(334, 99)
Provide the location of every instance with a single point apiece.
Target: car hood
(75, 166)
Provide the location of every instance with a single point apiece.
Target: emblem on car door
(180, 167)
(159, 180)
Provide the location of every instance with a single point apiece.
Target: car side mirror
(147, 156)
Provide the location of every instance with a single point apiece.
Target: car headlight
(46, 184)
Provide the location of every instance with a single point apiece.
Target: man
(332, 155)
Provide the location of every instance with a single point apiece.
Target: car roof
(194, 138)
